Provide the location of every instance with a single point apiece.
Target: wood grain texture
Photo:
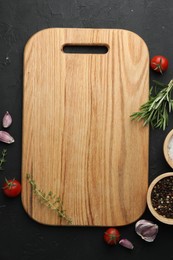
(78, 139)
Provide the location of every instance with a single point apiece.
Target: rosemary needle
(156, 110)
(50, 200)
(2, 159)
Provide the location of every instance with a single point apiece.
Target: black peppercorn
(162, 197)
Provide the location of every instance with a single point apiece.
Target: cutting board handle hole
(83, 49)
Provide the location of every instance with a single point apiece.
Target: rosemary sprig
(2, 158)
(156, 110)
(50, 200)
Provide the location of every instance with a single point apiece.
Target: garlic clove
(151, 231)
(146, 229)
(6, 137)
(126, 243)
(7, 120)
(149, 239)
(142, 225)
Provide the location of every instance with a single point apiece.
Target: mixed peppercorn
(162, 197)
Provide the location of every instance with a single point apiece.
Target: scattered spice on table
(162, 197)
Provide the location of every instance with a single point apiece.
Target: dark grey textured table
(21, 237)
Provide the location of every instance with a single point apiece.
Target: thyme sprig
(156, 110)
(50, 200)
(2, 158)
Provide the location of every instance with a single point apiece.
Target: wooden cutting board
(78, 139)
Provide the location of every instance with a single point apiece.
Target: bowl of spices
(160, 198)
(168, 148)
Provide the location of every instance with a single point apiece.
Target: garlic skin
(7, 120)
(6, 137)
(126, 243)
(146, 229)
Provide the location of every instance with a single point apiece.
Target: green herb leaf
(2, 158)
(50, 200)
(156, 110)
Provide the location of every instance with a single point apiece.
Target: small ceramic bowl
(168, 148)
(162, 198)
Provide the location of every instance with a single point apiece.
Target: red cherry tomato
(111, 236)
(159, 63)
(11, 188)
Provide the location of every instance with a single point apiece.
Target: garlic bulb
(147, 230)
